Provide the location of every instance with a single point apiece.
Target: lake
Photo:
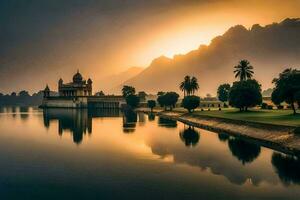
(99, 154)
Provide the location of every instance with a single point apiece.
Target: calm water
(101, 155)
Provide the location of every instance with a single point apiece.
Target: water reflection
(189, 136)
(24, 112)
(243, 150)
(151, 117)
(78, 122)
(168, 123)
(223, 137)
(287, 167)
(129, 121)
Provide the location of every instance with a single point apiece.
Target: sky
(42, 41)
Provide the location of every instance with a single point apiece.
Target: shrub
(191, 102)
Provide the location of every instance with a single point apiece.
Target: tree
(133, 101)
(194, 85)
(223, 92)
(297, 98)
(189, 85)
(142, 95)
(160, 93)
(151, 104)
(101, 93)
(287, 87)
(243, 70)
(244, 94)
(127, 91)
(24, 93)
(191, 102)
(169, 99)
(185, 85)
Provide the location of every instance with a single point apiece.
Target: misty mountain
(270, 49)
(113, 81)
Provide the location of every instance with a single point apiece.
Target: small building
(78, 94)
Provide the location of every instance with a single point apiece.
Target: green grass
(279, 117)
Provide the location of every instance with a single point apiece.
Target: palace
(78, 94)
(78, 87)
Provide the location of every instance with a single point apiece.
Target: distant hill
(112, 82)
(270, 49)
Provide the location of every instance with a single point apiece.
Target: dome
(89, 81)
(77, 78)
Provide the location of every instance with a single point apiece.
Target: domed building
(78, 94)
(79, 87)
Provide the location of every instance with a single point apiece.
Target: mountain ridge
(273, 47)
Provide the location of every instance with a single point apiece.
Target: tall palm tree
(194, 85)
(243, 70)
(185, 85)
(189, 85)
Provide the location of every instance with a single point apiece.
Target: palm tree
(243, 70)
(189, 85)
(185, 85)
(194, 85)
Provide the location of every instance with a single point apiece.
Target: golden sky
(52, 39)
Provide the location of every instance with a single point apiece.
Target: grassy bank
(277, 117)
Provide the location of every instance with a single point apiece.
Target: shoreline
(277, 137)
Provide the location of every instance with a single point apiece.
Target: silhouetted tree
(191, 102)
(244, 94)
(194, 85)
(189, 85)
(101, 93)
(223, 92)
(169, 99)
(133, 101)
(287, 86)
(151, 104)
(128, 90)
(160, 93)
(185, 85)
(243, 70)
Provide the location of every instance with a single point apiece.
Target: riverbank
(277, 137)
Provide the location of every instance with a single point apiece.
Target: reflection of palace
(78, 122)
(78, 94)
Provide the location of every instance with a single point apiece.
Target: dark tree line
(21, 98)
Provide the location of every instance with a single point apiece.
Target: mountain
(270, 49)
(113, 81)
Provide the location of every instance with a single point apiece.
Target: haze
(42, 41)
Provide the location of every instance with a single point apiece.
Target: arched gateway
(78, 94)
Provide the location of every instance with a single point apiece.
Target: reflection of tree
(189, 136)
(151, 117)
(287, 167)
(169, 123)
(223, 137)
(24, 112)
(243, 150)
(129, 121)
